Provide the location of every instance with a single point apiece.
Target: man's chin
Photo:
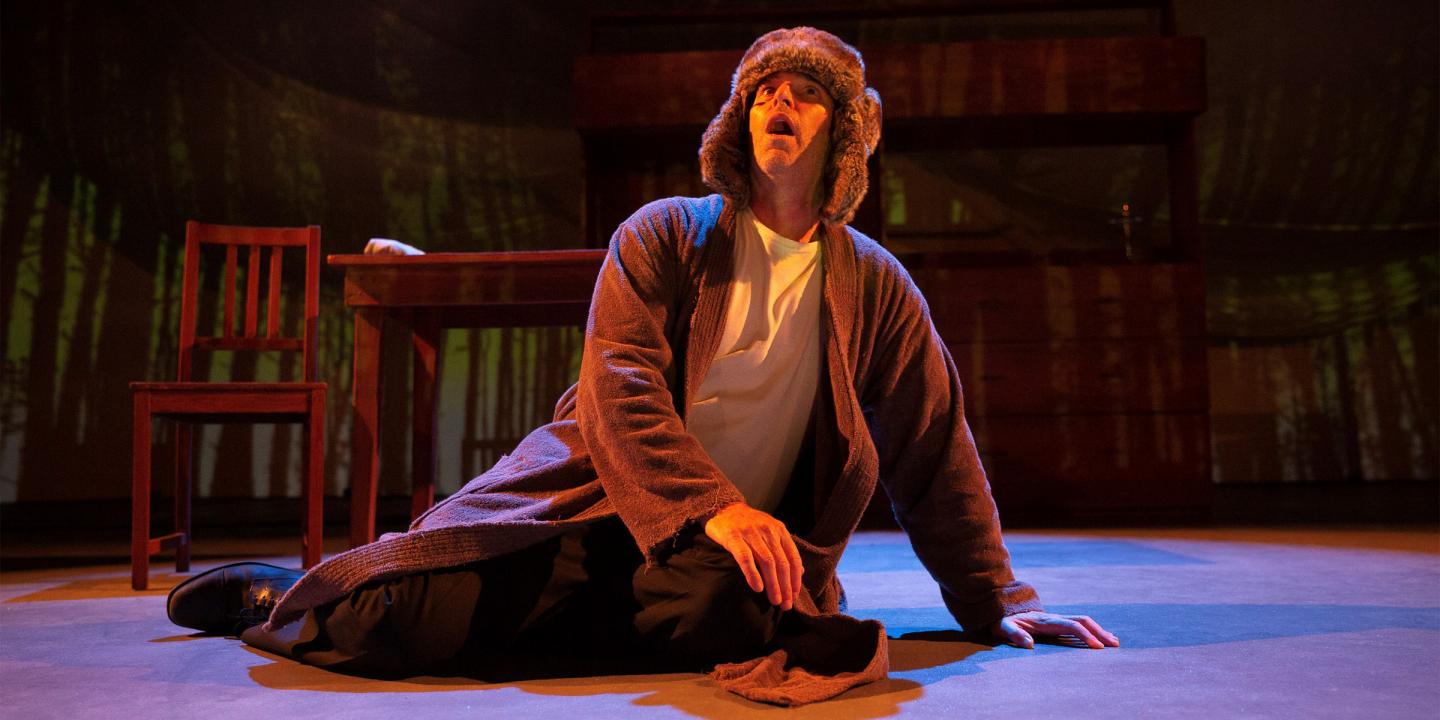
(774, 162)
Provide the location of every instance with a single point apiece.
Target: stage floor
(1278, 623)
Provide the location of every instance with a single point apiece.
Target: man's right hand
(763, 549)
(386, 246)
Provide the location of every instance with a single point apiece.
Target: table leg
(365, 425)
(425, 339)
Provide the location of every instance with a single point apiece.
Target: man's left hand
(1021, 629)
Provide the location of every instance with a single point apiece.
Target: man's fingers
(746, 560)
(788, 579)
(1078, 627)
(1013, 634)
(797, 566)
(1072, 627)
(765, 559)
(1058, 625)
(784, 575)
(1103, 635)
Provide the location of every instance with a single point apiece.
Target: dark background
(449, 124)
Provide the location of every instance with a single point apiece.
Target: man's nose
(785, 94)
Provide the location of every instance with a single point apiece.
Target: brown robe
(890, 410)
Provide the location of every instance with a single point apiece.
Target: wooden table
(428, 293)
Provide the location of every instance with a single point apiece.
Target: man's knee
(698, 609)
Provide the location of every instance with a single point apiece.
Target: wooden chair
(189, 401)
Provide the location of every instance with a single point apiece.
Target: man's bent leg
(583, 594)
(425, 623)
(697, 610)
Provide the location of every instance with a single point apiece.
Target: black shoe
(229, 598)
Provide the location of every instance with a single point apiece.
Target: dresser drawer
(1090, 462)
(1082, 376)
(1065, 302)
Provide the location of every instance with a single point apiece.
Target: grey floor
(1214, 623)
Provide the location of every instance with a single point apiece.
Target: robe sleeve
(657, 475)
(930, 468)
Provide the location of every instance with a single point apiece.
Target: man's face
(790, 126)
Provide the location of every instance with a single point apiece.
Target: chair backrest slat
(254, 239)
(252, 291)
(312, 302)
(189, 294)
(229, 328)
(272, 318)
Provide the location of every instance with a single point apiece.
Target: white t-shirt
(752, 409)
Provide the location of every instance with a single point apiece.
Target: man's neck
(790, 209)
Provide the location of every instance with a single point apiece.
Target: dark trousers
(580, 603)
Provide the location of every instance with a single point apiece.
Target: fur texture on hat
(725, 149)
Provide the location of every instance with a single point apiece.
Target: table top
(586, 257)
(481, 289)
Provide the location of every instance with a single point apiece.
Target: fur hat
(725, 149)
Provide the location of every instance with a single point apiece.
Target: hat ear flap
(855, 136)
(724, 161)
(870, 114)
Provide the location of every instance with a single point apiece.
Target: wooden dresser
(1085, 372)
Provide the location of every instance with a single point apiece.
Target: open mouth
(780, 125)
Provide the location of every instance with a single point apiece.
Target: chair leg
(184, 484)
(312, 527)
(140, 495)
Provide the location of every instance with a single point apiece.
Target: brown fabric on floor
(827, 656)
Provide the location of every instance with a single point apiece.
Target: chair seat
(229, 401)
